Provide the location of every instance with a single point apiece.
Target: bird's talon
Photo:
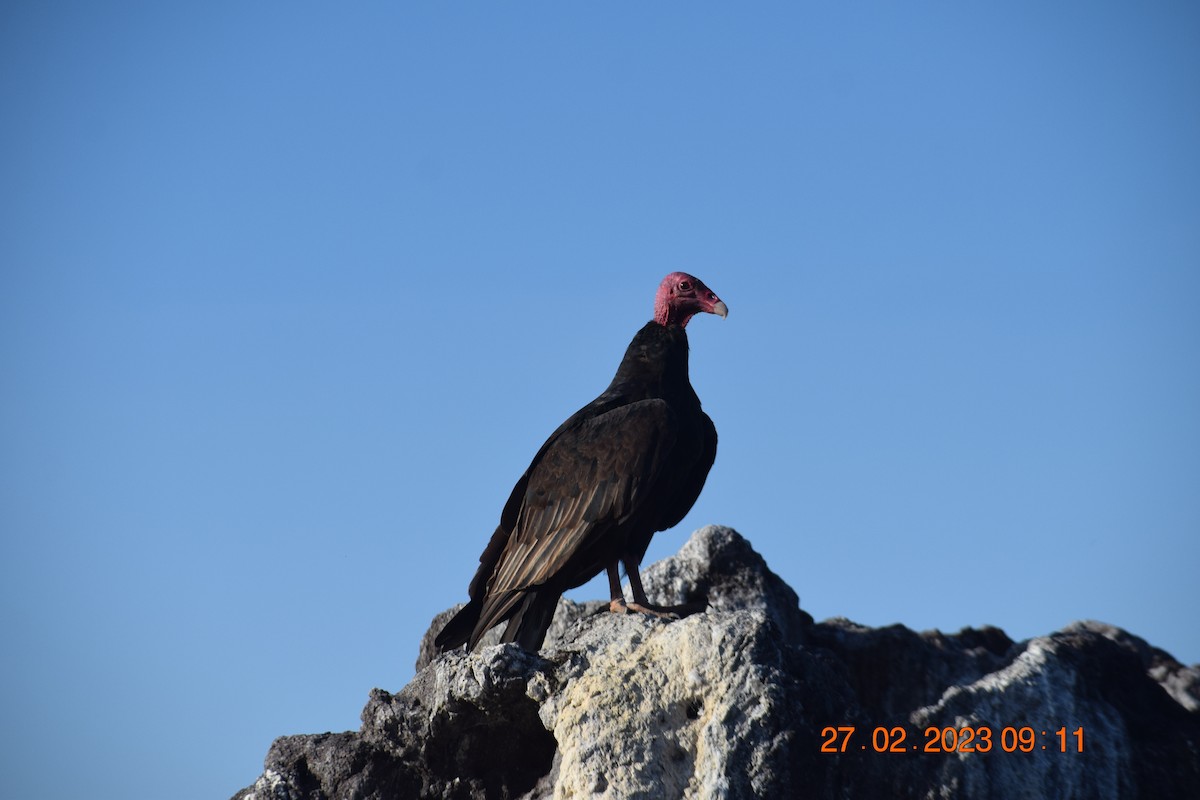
(653, 610)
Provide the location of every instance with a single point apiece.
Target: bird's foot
(619, 606)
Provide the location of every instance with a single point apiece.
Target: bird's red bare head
(680, 296)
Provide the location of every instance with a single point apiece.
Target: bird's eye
(685, 286)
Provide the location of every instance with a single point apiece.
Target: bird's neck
(657, 359)
(666, 314)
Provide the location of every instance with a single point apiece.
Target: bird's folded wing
(592, 478)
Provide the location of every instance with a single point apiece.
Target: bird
(628, 464)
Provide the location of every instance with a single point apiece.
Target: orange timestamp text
(969, 739)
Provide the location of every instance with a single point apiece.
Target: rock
(626, 728)
(463, 728)
(753, 699)
(719, 565)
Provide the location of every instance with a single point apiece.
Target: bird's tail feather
(458, 630)
(529, 616)
(531, 620)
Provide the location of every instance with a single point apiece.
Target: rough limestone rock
(746, 699)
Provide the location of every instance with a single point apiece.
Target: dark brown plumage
(628, 464)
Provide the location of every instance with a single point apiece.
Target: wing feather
(589, 480)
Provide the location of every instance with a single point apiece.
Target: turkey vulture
(628, 464)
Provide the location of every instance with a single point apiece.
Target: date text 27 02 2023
(971, 739)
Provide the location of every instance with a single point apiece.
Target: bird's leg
(642, 604)
(616, 603)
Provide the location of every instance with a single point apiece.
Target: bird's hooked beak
(720, 309)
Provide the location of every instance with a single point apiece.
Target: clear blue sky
(292, 292)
